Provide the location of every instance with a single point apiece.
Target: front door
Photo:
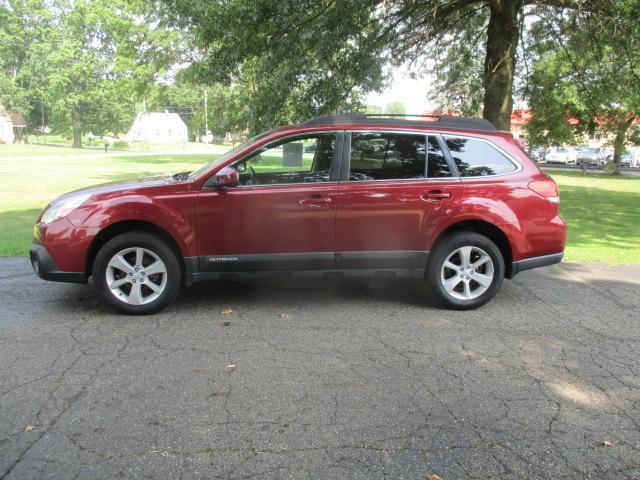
(398, 189)
(281, 216)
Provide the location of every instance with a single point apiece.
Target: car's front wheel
(465, 270)
(137, 273)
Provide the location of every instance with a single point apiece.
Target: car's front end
(64, 233)
(59, 247)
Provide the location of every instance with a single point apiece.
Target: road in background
(633, 172)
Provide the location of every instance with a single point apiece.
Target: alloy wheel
(136, 276)
(467, 273)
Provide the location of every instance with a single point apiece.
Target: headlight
(63, 207)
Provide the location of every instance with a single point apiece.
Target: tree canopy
(303, 57)
(90, 65)
(587, 76)
(82, 62)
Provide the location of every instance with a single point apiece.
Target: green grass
(603, 215)
(603, 212)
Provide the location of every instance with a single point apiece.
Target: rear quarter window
(477, 158)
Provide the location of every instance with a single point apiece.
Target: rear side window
(475, 158)
(437, 166)
(387, 156)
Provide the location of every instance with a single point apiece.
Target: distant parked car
(566, 155)
(592, 156)
(537, 154)
(626, 160)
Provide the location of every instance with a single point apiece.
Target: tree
(322, 52)
(458, 72)
(25, 25)
(85, 61)
(396, 108)
(293, 59)
(588, 77)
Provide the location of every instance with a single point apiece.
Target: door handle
(315, 201)
(436, 195)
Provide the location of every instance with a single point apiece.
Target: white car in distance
(566, 155)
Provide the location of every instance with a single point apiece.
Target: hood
(122, 185)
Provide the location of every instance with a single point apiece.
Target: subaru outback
(450, 201)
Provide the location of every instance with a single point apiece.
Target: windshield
(225, 156)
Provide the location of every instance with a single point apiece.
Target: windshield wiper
(179, 177)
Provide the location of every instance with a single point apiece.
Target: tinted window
(477, 158)
(303, 159)
(387, 156)
(437, 166)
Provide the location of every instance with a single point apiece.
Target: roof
(17, 119)
(437, 121)
(520, 116)
(4, 114)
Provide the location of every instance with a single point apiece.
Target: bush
(120, 144)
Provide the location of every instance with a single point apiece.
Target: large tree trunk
(500, 61)
(619, 140)
(77, 129)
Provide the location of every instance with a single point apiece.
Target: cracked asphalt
(331, 380)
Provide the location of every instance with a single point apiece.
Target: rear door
(396, 189)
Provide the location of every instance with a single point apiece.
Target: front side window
(387, 156)
(476, 158)
(303, 159)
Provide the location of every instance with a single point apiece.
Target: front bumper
(46, 268)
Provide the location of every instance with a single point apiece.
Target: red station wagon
(452, 201)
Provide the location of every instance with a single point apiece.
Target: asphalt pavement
(324, 380)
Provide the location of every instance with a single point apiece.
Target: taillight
(546, 188)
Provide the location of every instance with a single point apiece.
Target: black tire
(443, 249)
(152, 245)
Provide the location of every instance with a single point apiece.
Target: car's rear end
(539, 235)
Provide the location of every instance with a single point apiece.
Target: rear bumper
(46, 268)
(535, 262)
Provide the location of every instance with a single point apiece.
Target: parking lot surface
(324, 380)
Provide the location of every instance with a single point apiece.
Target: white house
(161, 127)
(6, 127)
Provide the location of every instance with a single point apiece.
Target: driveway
(324, 380)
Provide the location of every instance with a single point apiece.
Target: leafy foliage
(293, 59)
(84, 62)
(588, 77)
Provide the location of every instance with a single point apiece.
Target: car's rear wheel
(137, 273)
(465, 270)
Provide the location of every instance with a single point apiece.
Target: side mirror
(226, 177)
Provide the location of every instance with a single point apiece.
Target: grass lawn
(603, 212)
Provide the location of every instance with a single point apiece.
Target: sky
(402, 88)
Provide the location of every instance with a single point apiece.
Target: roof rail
(462, 123)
